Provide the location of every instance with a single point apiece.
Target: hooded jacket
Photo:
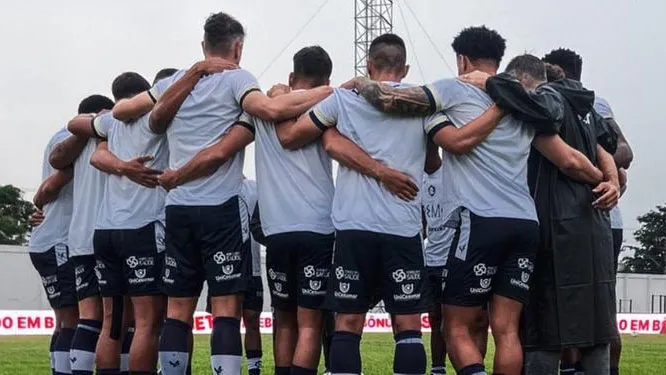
(572, 298)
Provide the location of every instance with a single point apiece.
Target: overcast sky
(56, 53)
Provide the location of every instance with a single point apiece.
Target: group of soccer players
(144, 199)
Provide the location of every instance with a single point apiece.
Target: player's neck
(484, 67)
(303, 85)
(386, 77)
(226, 56)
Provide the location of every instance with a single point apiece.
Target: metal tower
(372, 18)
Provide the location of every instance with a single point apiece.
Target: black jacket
(572, 301)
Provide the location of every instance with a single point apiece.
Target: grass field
(643, 355)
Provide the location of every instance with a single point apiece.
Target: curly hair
(480, 43)
(221, 30)
(554, 73)
(568, 60)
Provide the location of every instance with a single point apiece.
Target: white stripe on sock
(61, 362)
(226, 364)
(81, 360)
(124, 362)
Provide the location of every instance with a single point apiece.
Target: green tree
(650, 255)
(14, 214)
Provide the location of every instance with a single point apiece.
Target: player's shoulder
(602, 107)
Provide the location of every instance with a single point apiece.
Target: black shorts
(57, 272)
(489, 256)
(298, 266)
(366, 262)
(130, 261)
(618, 235)
(207, 243)
(435, 277)
(253, 298)
(86, 274)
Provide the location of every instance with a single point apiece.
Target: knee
(410, 322)
(181, 309)
(251, 320)
(285, 319)
(226, 306)
(350, 323)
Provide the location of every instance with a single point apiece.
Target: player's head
(312, 68)
(568, 60)
(164, 73)
(554, 73)
(478, 47)
(128, 84)
(529, 69)
(95, 104)
(223, 37)
(388, 55)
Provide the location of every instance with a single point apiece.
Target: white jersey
(432, 200)
(248, 195)
(57, 214)
(604, 109)
(88, 194)
(126, 204)
(209, 111)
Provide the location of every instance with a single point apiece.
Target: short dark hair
(128, 84)
(388, 52)
(568, 60)
(164, 73)
(554, 73)
(221, 30)
(527, 64)
(94, 104)
(480, 43)
(313, 63)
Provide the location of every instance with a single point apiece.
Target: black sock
(174, 350)
(124, 352)
(567, 369)
(614, 371)
(52, 344)
(345, 353)
(282, 370)
(226, 349)
(61, 352)
(328, 327)
(475, 369)
(438, 369)
(296, 370)
(253, 362)
(410, 356)
(108, 371)
(84, 343)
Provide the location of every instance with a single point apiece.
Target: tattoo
(411, 101)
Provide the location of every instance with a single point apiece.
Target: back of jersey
(361, 202)
(57, 215)
(491, 179)
(210, 110)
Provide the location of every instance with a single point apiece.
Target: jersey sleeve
(435, 122)
(160, 87)
(603, 108)
(247, 121)
(243, 83)
(443, 94)
(102, 125)
(325, 114)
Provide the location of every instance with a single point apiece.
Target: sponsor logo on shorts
(281, 276)
(407, 293)
(52, 293)
(222, 257)
(80, 284)
(98, 274)
(170, 262)
(520, 284)
(481, 269)
(134, 262)
(485, 283)
(48, 280)
(401, 275)
(277, 291)
(525, 263)
(315, 284)
(343, 274)
(344, 292)
(79, 270)
(228, 269)
(140, 277)
(309, 271)
(525, 277)
(166, 278)
(315, 289)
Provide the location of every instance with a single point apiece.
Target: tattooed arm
(412, 101)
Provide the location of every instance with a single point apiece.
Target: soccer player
(129, 235)
(49, 254)
(87, 195)
(207, 234)
(571, 63)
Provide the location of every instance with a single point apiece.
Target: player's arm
(623, 155)
(135, 169)
(65, 153)
(412, 101)
(609, 190)
(127, 110)
(207, 161)
(50, 188)
(567, 159)
(294, 134)
(352, 156)
(433, 160)
(283, 107)
(462, 140)
(83, 126)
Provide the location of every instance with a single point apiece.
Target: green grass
(642, 355)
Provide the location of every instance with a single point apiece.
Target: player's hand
(398, 183)
(609, 194)
(351, 84)
(137, 171)
(168, 179)
(36, 218)
(476, 78)
(214, 65)
(277, 90)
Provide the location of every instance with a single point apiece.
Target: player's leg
(481, 331)
(84, 342)
(143, 267)
(596, 360)
(511, 288)
(226, 255)
(253, 303)
(327, 329)
(541, 362)
(282, 284)
(616, 344)
(437, 343)
(315, 252)
(570, 362)
(182, 282)
(405, 290)
(352, 282)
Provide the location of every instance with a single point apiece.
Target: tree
(14, 214)
(650, 255)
